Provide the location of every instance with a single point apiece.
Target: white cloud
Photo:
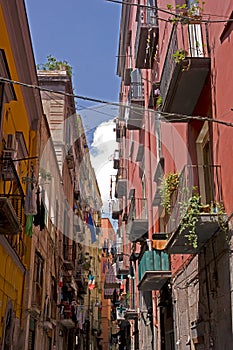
(101, 151)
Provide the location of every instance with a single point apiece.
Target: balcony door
(195, 35)
(205, 167)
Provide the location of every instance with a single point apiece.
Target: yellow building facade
(20, 112)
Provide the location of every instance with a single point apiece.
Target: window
(7, 92)
(205, 167)
(38, 279)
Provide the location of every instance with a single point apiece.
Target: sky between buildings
(85, 33)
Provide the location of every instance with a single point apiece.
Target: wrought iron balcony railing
(137, 225)
(79, 278)
(116, 209)
(69, 255)
(67, 314)
(185, 68)
(136, 101)
(14, 192)
(206, 181)
(121, 182)
(12, 218)
(146, 38)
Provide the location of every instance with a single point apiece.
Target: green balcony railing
(154, 260)
(151, 268)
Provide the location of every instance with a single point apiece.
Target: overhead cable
(177, 15)
(166, 116)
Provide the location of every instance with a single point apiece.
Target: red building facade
(173, 186)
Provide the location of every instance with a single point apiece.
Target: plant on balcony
(180, 57)
(169, 184)
(193, 209)
(219, 209)
(187, 14)
(159, 102)
(127, 299)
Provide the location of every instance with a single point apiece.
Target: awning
(111, 281)
(108, 293)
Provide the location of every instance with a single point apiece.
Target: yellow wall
(14, 119)
(15, 114)
(11, 285)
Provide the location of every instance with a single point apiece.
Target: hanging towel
(91, 226)
(39, 218)
(42, 215)
(30, 201)
(36, 220)
(28, 226)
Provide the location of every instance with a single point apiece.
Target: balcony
(79, 278)
(116, 209)
(11, 203)
(182, 81)
(140, 153)
(136, 101)
(127, 76)
(120, 131)
(137, 226)
(68, 256)
(122, 112)
(146, 38)
(9, 222)
(159, 173)
(153, 270)
(67, 315)
(209, 219)
(122, 267)
(131, 314)
(116, 159)
(121, 183)
(154, 95)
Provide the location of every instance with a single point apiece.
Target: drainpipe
(175, 326)
(148, 163)
(148, 154)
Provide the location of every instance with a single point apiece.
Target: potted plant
(187, 14)
(180, 57)
(168, 185)
(193, 209)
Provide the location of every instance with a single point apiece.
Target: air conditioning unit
(7, 173)
(11, 142)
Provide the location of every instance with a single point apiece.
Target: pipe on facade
(175, 326)
(148, 154)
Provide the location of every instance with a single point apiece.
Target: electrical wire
(94, 109)
(169, 12)
(166, 116)
(36, 87)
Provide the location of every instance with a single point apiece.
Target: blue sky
(83, 32)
